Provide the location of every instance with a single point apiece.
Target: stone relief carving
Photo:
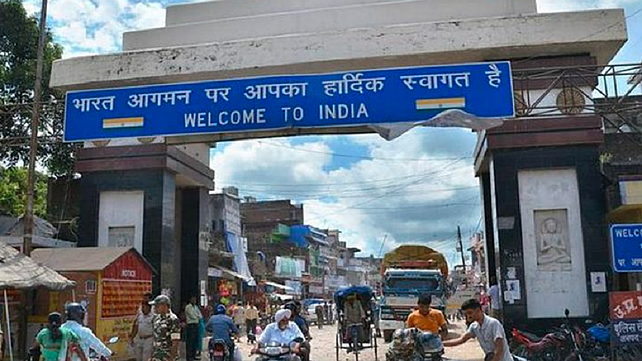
(553, 242)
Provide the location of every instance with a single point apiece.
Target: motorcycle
(532, 347)
(566, 343)
(219, 351)
(598, 345)
(428, 346)
(274, 351)
(93, 356)
(574, 340)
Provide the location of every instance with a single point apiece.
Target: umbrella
(17, 271)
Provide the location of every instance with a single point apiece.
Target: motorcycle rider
(53, 340)
(222, 327)
(282, 331)
(295, 308)
(75, 315)
(426, 318)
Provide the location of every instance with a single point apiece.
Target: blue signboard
(294, 101)
(627, 247)
(626, 332)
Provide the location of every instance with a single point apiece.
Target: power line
(360, 156)
(384, 195)
(240, 182)
(609, 27)
(355, 193)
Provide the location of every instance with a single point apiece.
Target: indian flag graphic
(441, 103)
(115, 123)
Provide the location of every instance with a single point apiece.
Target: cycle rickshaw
(355, 331)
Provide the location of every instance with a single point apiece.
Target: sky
(380, 194)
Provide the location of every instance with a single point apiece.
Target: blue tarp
(298, 236)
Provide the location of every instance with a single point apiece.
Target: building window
(121, 236)
(222, 225)
(214, 225)
(90, 287)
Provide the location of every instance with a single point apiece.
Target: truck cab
(401, 290)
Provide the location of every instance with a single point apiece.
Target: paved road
(323, 347)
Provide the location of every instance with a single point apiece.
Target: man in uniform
(142, 336)
(167, 331)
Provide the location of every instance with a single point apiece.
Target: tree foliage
(18, 50)
(13, 189)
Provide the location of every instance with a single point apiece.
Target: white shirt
(87, 341)
(489, 331)
(273, 333)
(145, 324)
(495, 298)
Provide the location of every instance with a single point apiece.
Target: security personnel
(167, 331)
(142, 334)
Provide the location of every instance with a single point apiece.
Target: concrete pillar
(194, 257)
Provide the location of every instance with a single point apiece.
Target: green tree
(13, 188)
(18, 49)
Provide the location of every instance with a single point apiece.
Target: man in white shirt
(282, 331)
(495, 299)
(238, 315)
(488, 331)
(193, 317)
(142, 334)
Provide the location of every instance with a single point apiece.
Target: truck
(407, 272)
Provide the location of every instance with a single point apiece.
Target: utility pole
(382, 244)
(33, 142)
(461, 248)
(31, 178)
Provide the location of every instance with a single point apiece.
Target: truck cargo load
(415, 256)
(407, 272)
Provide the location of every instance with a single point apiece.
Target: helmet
(290, 306)
(54, 319)
(220, 310)
(75, 311)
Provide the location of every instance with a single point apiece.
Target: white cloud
(420, 199)
(86, 27)
(545, 6)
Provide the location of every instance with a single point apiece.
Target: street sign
(342, 99)
(625, 305)
(626, 332)
(626, 241)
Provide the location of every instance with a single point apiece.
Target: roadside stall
(19, 272)
(111, 283)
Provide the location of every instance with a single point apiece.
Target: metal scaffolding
(610, 91)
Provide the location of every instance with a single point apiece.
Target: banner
(625, 305)
(626, 318)
(627, 332)
(295, 288)
(354, 98)
(289, 267)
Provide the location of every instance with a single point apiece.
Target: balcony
(281, 233)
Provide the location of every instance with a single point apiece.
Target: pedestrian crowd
(157, 332)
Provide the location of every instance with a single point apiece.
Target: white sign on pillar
(553, 243)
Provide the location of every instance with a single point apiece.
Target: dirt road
(323, 347)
